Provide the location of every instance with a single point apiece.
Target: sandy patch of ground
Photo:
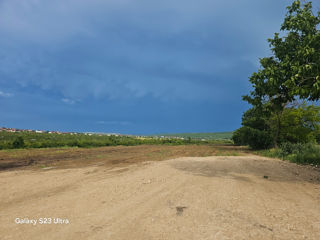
(218, 197)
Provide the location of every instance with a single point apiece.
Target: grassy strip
(307, 153)
(10, 140)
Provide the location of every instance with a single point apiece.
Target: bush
(18, 143)
(256, 139)
(237, 137)
(307, 153)
(291, 148)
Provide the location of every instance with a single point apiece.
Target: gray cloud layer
(123, 49)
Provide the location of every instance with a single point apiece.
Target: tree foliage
(299, 50)
(300, 125)
(297, 124)
(255, 138)
(293, 70)
(291, 73)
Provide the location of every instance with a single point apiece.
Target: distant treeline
(206, 136)
(12, 140)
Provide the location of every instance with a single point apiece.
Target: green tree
(291, 72)
(255, 138)
(300, 123)
(255, 131)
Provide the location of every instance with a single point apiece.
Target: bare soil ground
(128, 193)
(107, 156)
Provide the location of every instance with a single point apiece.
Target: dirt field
(128, 193)
(106, 156)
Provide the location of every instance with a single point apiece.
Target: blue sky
(137, 67)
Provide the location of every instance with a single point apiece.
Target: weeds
(307, 153)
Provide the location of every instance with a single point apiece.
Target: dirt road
(239, 197)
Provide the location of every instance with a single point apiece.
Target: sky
(132, 67)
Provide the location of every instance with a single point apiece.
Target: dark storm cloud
(118, 53)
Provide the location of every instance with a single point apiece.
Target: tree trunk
(278, 126)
